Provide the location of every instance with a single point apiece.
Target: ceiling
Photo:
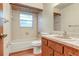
(62, 5)
(40, 5)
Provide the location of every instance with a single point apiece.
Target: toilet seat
(36, 43)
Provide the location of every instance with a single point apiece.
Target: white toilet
(36, 47)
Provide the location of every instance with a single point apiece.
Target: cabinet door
(50, 51)
(56, 46)
(44, 50)
(57, 54)
(68, 51)
(77, 53)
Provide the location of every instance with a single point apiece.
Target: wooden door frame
(1, 31)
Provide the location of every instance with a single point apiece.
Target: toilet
(36, 47)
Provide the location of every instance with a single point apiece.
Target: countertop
(73, 42)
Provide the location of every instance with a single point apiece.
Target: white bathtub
(18, 45)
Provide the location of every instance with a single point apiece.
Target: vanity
(56, 46)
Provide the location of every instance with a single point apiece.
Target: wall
(56, 10)
(47, 18)
(22, 36)
(20, 33)
(70, 16)
(45, 22)
(36, 5)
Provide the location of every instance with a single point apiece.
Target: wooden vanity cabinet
(52, 48)
(76, 53)
(46, 51)
(55, 46)
(57, 54)
(50, 52)
(69, 51)
(44, 41)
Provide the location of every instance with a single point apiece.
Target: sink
(71, 40)
(68, 39)
(63, 37)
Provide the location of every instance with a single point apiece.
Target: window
(25, 20)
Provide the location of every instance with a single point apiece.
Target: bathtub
(18, 45)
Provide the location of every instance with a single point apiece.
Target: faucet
(65, 35)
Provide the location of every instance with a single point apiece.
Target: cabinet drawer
(44, 41)
(56, 46)
(68, 51)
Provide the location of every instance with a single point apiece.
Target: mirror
(66, 17)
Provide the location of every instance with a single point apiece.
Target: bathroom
(43, 19)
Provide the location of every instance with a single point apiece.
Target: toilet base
(36, 50)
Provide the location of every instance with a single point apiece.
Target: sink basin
(63, 37)
(73, 41)
(68, 39)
